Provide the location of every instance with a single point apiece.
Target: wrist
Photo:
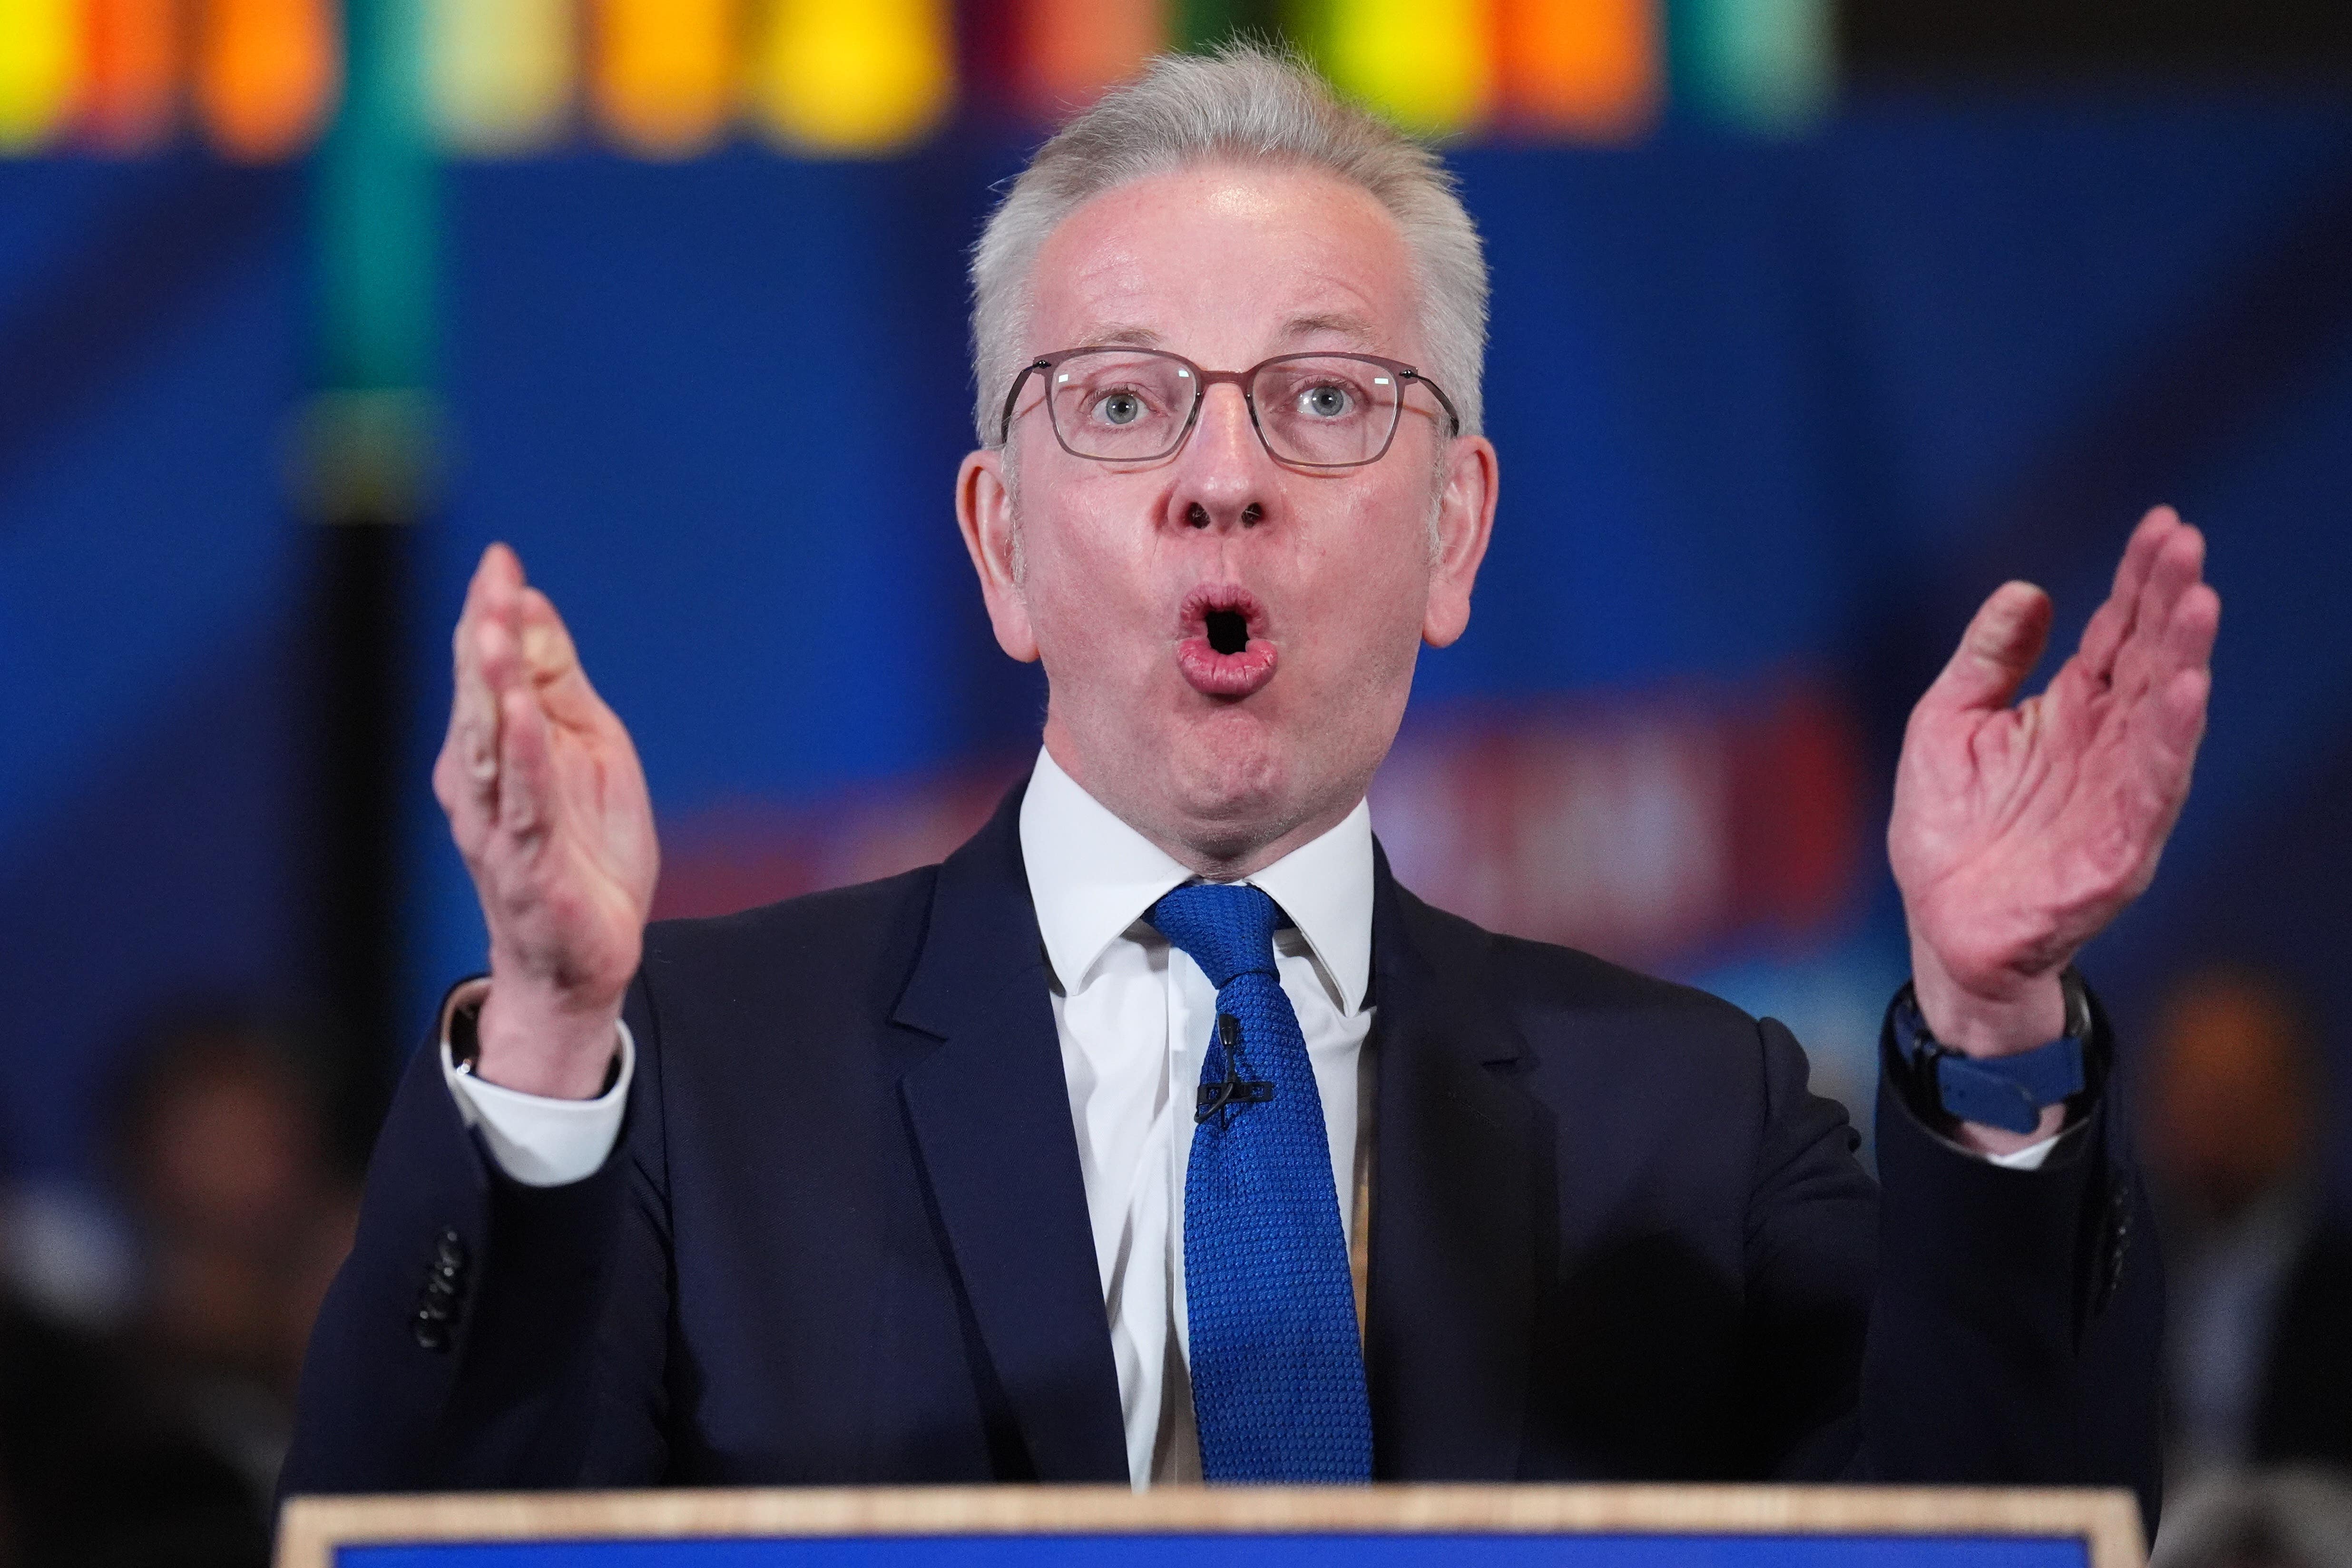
(555, 1047)
(1992, 1018)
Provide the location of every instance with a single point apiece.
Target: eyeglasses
(1137, 405)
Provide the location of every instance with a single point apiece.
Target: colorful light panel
(1428, 64)
(268, 74)
(1069, 50)
(671, 78)
(131, 61)
(1768, 65)
(1590, 70)
(40, 64)
(851, 77)
(663, 82)
(499, 74)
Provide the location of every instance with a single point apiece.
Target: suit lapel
(990, 1114)
(1463, 1206)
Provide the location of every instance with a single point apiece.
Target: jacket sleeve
(484, 1333)
(2008, 1319)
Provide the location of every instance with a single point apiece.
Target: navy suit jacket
(843, 1238)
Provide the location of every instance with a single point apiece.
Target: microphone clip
(1215, 1099)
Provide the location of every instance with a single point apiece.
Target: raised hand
(2019, 831)
(548, 804)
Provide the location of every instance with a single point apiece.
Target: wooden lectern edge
(311, 1528)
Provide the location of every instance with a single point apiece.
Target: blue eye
(1325, 402)
(1120, 409)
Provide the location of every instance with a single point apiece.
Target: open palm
(548, 804)
(2020, 829)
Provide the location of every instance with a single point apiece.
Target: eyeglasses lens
(1326, 411)
(1119, 408)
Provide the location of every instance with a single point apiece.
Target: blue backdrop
(1768, 412)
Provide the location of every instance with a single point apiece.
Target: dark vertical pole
(361, 571)
(368, 467)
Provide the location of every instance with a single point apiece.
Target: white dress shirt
(1133, 1015)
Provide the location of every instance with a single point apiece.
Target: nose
(1224, 477)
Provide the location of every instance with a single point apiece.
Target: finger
(2196, 623)
(554, 663)
(2112, 622)
(526, 767)
(465, 775)
(2146, 658)
(2169, 719)
(1997, 652)
(2163, 755)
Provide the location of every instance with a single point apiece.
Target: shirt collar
(1091, 876)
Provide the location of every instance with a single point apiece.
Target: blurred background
(1813, 322)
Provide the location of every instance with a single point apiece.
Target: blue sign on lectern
(1384, 1527)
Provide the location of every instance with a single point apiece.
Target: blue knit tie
(1277, 1372)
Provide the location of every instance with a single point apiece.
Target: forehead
(1226, 264)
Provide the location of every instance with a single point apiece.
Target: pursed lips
(1222, 648)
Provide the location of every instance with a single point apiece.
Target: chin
(1232, 771)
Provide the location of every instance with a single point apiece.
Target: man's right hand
(548, 804)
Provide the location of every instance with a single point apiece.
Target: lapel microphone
(1214, 1098)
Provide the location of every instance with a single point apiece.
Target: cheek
(1088, 587)
(1371, 573)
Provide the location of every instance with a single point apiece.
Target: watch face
(2078, 1003)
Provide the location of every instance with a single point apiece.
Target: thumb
(2000, 647)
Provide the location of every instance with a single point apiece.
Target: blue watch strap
(2008, 1092)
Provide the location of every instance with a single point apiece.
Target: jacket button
(2117, 1247)
(445, 1288)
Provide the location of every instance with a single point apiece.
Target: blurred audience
(2260, 1271)
(156, 1443)
(2291, 1520)
(220, 1144)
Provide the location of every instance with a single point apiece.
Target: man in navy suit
(1159, 1134)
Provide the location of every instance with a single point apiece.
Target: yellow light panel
(1425, 64)
(851, 77)
(664, 79)
(268, 73)
(40, 60)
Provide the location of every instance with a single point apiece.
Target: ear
(1466, 519)
(985, 516)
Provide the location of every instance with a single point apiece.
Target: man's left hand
(2021, 829)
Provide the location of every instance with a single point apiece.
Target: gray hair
(1245, 103)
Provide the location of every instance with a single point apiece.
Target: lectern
(1188, 1526)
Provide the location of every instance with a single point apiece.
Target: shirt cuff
(536, 1140)
(2031, 1157)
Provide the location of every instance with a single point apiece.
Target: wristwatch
(2009, 1092)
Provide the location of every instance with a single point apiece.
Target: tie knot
(1225, 928)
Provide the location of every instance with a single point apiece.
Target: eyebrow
(1337, 323)
(1125, 337)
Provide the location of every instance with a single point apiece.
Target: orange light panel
(665, 75)
(268, 76)
(129, 91)
(1592, 69)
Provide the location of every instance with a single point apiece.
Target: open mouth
(1221, 646)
